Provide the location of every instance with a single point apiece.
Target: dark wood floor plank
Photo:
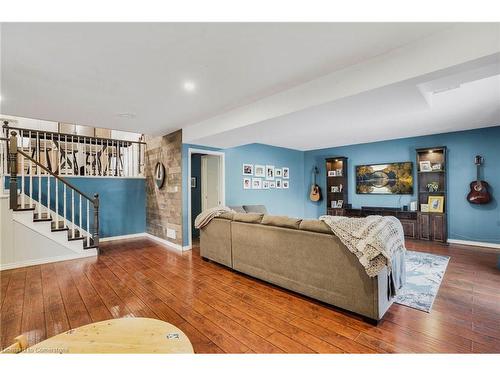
(12, 308)
(56, 319)
(73, 303)
(4, 284)
(33, 319)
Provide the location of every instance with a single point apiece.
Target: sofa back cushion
(281, 221)
(315, 226)
(256, 208)
(239, 209)
(248, 218)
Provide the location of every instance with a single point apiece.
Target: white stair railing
(71, 210)
(77, 155)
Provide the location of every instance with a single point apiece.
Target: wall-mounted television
(390, 178)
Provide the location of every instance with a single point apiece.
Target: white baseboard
(124, 237)
(166, 242)
(34, 262)
(151, 237)
(475, 243)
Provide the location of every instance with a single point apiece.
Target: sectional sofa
(303, 256)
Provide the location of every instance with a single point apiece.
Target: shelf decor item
(424, 207)
(436, 204)
(432, 187)
(425, 166)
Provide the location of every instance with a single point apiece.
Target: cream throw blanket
(375, 240)
(207, 215)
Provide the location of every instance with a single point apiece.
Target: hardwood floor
(223, 311)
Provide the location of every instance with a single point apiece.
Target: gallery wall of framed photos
(265, 177)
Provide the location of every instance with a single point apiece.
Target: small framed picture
(338, 172)
(270, 172)
(193, 182)
(248, 169)
(335, 189)
(278, 172)
(265, 184)
(247, 183)
(285, 184)
(436, 166)
(332, 173)
(340, 203)
(286, 173)
(272, 184)
(260, 171)
(424, 207)
(256, 183)
(334, 204)
(425, 166)
(436, 204)
(278, 184)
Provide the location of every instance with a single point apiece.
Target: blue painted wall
(122, 202)
(465, 221)
(289, 201)
(279, 202)
(195, 191)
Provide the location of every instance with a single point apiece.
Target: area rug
(424, 273)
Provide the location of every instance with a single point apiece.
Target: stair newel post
(95, 233)
(13, 170)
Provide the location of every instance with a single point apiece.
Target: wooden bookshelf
(432, 225)
(336, 185)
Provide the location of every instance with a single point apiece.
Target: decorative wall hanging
(159, 175)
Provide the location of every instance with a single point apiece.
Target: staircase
(47, 203)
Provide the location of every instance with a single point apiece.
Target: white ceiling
(89, 73)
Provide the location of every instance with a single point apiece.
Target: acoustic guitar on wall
(478, 189)
(315, 194)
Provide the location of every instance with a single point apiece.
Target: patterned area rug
(424, 273)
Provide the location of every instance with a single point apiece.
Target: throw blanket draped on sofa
(377, 241)
(204, 218)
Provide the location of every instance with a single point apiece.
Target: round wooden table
(125, 335)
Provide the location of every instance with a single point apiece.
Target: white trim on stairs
(34, 262)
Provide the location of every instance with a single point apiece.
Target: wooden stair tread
(74, 236)
(43, 216)
(60, 228)
(88, 243)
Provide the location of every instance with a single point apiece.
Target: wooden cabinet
(410, 228)
(432, 182)
(432, 227)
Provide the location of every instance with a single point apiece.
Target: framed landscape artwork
(393, 178)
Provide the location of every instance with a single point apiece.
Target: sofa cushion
(248, 218)
(256, 208)
(315, 226)
(281, 221)
(239, 209)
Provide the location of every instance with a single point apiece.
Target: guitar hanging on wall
(315, 194)
(479, 189)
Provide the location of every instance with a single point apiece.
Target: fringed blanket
(375, 240)
(207, 215)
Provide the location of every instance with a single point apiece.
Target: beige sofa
(300, 255)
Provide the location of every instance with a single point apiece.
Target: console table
(408, 218)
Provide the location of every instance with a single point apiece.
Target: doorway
(206, 186)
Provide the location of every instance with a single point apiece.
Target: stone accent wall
(164, 206)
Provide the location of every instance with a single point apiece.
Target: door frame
(222, 180)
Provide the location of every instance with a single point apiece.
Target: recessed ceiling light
(126, 115)
(189, 86)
